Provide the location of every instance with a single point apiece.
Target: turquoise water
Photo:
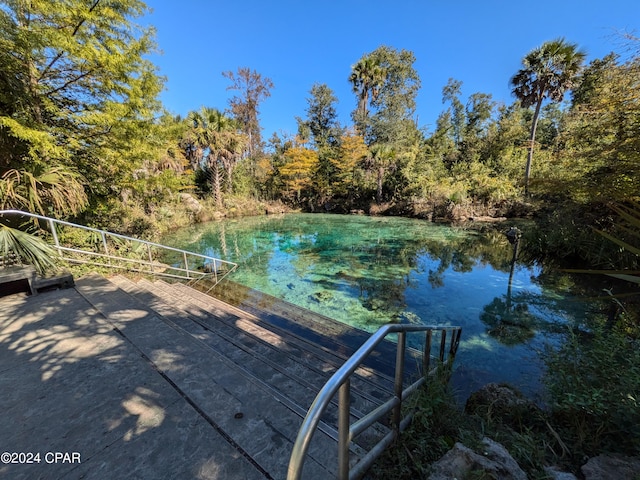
(367, 271)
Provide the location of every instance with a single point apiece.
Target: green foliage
(28, 249)
(42, 189)
(601, 137)
(548, 72)
(482, 184)
(322, 117)
(594, 382)
(79, 93)
(437, 424)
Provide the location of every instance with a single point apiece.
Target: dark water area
(368, 271)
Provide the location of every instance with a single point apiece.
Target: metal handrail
(340, 383)
(218, 268)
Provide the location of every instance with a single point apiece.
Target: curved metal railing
(340, 383)
(107, 245)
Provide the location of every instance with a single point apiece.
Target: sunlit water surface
(367, 271)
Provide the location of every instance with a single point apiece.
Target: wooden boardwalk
(151, 380)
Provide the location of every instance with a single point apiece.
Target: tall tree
(451, 93)
(323, 127)
(253, 89)
(548, 72)
(322, 117)
(395, 104)
(217, 136)
(478, 112)
(367, 77)
(77, 94)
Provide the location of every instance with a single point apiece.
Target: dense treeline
(82, 133)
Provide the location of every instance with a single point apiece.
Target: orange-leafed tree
(298, 172)
(352, 152)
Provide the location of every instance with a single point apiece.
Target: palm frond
(629, 213)
(55, 187)
(617, 241)
(626, 277)
(28, 248)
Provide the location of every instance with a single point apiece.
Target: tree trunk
(362, 104)
(229, 169)
(532, 139)
(380, 179)
(216, 184)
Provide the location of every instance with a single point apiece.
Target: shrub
(594, 382)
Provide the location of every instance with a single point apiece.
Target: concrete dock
(123, 380)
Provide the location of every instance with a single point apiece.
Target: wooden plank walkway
(151, 380)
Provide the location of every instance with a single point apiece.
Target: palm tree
(220, 142)
(548, 72)
(367, 76)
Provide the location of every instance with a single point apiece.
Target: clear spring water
(367, 271)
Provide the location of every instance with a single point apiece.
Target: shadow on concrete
(71, 384)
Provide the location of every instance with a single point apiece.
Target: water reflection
(367, 271)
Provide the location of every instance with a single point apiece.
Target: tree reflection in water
(368, 271)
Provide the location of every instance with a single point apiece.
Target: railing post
(455, 341)
(150, 258)
(339, 385)
(56, 242)
(397, 411)
(452, 342)
(443, 343)
(426, 356)
(186, 264)
(344, 412)
(106, 249)
(453, 348)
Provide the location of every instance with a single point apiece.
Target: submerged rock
(321, 296)
(461, 461)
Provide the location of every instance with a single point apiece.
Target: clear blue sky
(299, 43)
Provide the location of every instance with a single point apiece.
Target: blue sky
(299, 43)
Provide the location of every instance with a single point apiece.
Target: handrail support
(344, 405)
(340, 383)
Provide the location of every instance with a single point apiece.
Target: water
(367, 271)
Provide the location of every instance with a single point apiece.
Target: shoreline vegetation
(84, 137)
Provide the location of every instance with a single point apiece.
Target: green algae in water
(368, 271)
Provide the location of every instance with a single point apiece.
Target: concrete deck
(148, 380)
(72, 384)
